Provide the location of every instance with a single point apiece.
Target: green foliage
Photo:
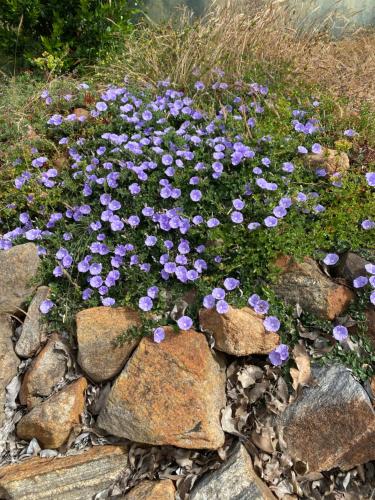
(57, 35)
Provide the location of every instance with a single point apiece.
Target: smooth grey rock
(33, 330)
(332, 423)
(8, 360)
(75, 477)
(351, 266)
(18, 267)
(235, 480)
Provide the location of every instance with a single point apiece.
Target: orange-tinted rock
(18, 268)
(52, 421)
(169, 394)
(98, 329)
(331, 424)
(46, 370)
(239, 331)
(331, 160)
(155, 490)
(8, 360)
(235, 479)
(81, 112)
(304, 283)
(74, 477)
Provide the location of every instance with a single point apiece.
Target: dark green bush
(57, 35)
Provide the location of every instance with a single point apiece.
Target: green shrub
(57, 35)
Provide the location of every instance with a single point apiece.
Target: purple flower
(46, 306)
(316, 148)
(350, 132)
(367, 224)
(86, 294)
(279, 355)
(159, 335)
(370, 178)
(288, 167)
(145, 303)
(101, 106)
(360, 282)
(253, 300)
(331, 259)
(218, 293)
(213, 222)
(222, 307)
(209, 301)
(372, 297)
(55, 120)
(279, 212)
(236, 217)
(253, 225)
(261, 307)
(185, 323)
(195, 195)
(271, 324)
(152, 292)
(370, 268)
(238, 204)
(270, 221)
(231, 283)
(340, 333)
(96, 281)
(108, 301)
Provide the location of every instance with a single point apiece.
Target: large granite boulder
(169, 394)
(332, 422)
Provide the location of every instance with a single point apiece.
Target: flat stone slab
(76, 477)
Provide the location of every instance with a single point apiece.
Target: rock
(8, 360)
(331, 160)
(239, 331)
(169, 394)
(34, 329)
(235, 479)
(304, 283)
(155, 490)
(47, 369)
(81, 112)
(331, 424)
(18, 267)
(74, 477)
(350, 266)
(52, 421)
(97, 331)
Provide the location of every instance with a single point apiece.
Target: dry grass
(242, 36)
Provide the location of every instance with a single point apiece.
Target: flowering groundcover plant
(163, 192)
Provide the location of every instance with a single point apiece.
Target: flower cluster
(160, 195)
